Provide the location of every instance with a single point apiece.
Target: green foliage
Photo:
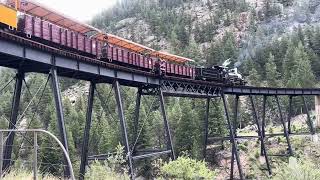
(101, 171)
(112, 168)
(269, 10)
(186, 168)
(233, 5)
(223, 50)
(302, 75)
(272, 74)
(26, 175)
(297, 170)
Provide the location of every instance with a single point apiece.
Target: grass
(25, 175)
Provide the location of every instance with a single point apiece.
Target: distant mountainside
(211, 31)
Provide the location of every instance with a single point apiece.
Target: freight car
(35, 21)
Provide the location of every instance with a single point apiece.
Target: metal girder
(290, 114)
(151, 154)
(248, 90)
(86, 135)
(60, 117)
(166, 125)
(184, 89)
(206, 124)
(236, 106)
(284, 127)
(312, 131)
(177, 88)
(136, 117)
(255, 116)
(232, 136)
(116, 86)
(263, 123)
(13, 120)
(38, 58)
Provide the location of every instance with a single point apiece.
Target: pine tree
(254, 78)
(315, 40)
(288, 63)
(302, 75)
(272, 74)
(185, 132)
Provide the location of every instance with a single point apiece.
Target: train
(35, 21)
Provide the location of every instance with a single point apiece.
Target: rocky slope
(283, 18)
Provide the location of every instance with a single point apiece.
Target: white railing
(35, 149)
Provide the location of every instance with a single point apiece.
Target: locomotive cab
(235, 78)
(234, 72)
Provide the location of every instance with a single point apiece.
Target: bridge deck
(17, 52)
(247, 90)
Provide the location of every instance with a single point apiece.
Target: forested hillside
(272, 37)
(274, 43)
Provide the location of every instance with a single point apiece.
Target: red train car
(69, 33)
(63, 36)
(54, 33)
(37, 31)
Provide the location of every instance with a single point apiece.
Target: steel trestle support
(60, 117)
(116, 86)
(284, 127)
(86, 134)
(13, 119)
(136, 117)
(255, 116)
(263, 123)
(232, 136)
(290, 114)
(166, 125)
(206, 124)
(236, 106)
(312, 131)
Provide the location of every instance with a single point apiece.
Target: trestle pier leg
(136, 117)
(116, 86)
(206, 126)
(60, 117)
(232, 136)
(290, 114)
(235, 120)
(261, 136)
(312, 131)
(13, 120)
(263, 124)
(86, 134)
(166, 125)
(284, 127)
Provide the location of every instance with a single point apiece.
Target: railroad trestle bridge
(26, 56)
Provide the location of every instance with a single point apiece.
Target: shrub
(112, 168)
(297, 170)
(243, 147)
(101, 171)
(186, 168)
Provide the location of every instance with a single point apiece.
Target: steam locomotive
(37, 22)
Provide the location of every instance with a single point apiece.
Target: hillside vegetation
(274, 43)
